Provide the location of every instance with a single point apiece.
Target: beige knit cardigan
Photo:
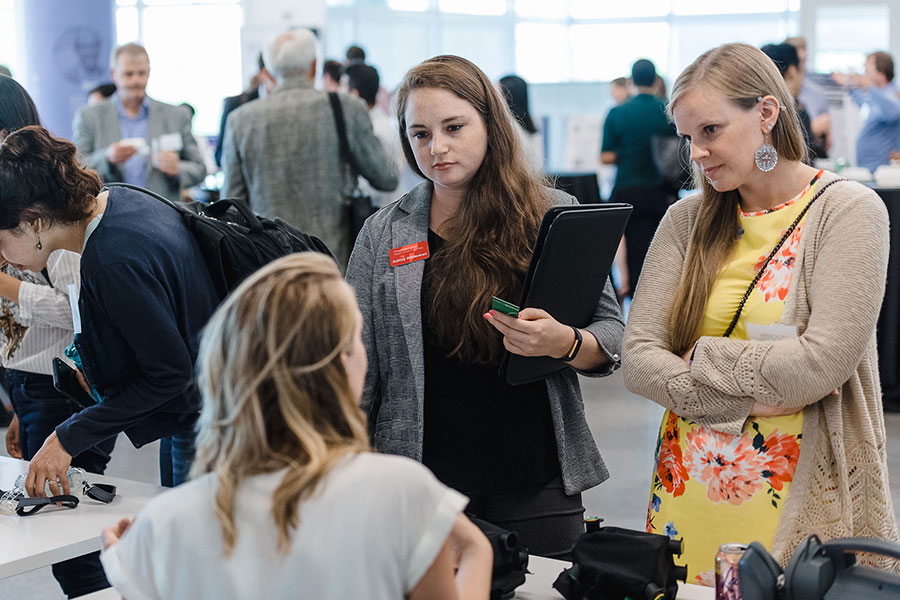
(840, 487)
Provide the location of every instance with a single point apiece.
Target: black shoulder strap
(130, 186)
(30, 506)
(338, 112)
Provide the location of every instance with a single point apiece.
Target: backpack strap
(138, 188)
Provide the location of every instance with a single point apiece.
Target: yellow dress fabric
(710, 488)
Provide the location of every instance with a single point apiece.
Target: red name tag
(409, 253)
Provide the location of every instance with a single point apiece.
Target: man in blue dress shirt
(875, 92)
(133, 138)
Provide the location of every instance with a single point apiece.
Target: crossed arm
(727, 376)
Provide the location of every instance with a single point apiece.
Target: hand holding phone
(507, 308)
(65, 380)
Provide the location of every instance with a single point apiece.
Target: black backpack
(234, 240)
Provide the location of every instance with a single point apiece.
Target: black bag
(612, 563)
(234, 240)
(359, 206)
(510, 559)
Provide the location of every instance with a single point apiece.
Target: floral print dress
(710, 488)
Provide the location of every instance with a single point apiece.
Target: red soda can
(727, 585)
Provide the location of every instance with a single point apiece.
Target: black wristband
(573, 351)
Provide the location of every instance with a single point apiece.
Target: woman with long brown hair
(754, 325)
(425, 268)
(286, 499)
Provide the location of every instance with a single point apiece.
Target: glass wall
(845, 34)
(551, 42)
(194, 48)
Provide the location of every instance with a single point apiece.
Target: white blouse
(371, 530)
(45, 310)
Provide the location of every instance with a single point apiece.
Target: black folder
(569, 267)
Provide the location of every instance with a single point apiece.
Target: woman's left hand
(534, 333)
(112, 534)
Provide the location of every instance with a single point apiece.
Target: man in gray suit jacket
(282, 154)
(133, 138)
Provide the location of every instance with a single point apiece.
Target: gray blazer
(394, 394)
(281, 153)
(96, 127)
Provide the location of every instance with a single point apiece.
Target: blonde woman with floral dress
(764, 350)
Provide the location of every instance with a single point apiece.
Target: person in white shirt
(361, 80)
(287, 501)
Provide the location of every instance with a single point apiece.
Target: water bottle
(9, 501)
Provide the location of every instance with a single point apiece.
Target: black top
(482, 434)
(145, 295)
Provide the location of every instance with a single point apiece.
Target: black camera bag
(510, 559)
(613, 563)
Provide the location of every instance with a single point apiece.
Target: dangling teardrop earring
(39, 245)
(766, 155)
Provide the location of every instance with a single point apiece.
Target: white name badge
(168, 142)
(73, 304)
(771, 333)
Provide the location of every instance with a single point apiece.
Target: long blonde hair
(742, 74)
(275, 391)
(493, 232)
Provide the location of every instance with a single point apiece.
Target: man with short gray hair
(132, 138)
(281, 153)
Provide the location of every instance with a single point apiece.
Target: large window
(845, 34)
(194, 48)
(551, 41)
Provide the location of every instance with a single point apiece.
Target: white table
(538, 584)
(56, 534)
(107, 594)
(544, 571)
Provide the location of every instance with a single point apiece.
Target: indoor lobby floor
(624, 425)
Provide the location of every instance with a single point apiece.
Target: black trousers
(547, 520)
(650, 204)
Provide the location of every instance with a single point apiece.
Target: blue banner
(66, 49)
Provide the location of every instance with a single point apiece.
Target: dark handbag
(359, 206)
(614, 563)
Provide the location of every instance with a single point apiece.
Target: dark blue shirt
(145, 295)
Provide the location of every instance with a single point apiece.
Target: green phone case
(507, 308)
